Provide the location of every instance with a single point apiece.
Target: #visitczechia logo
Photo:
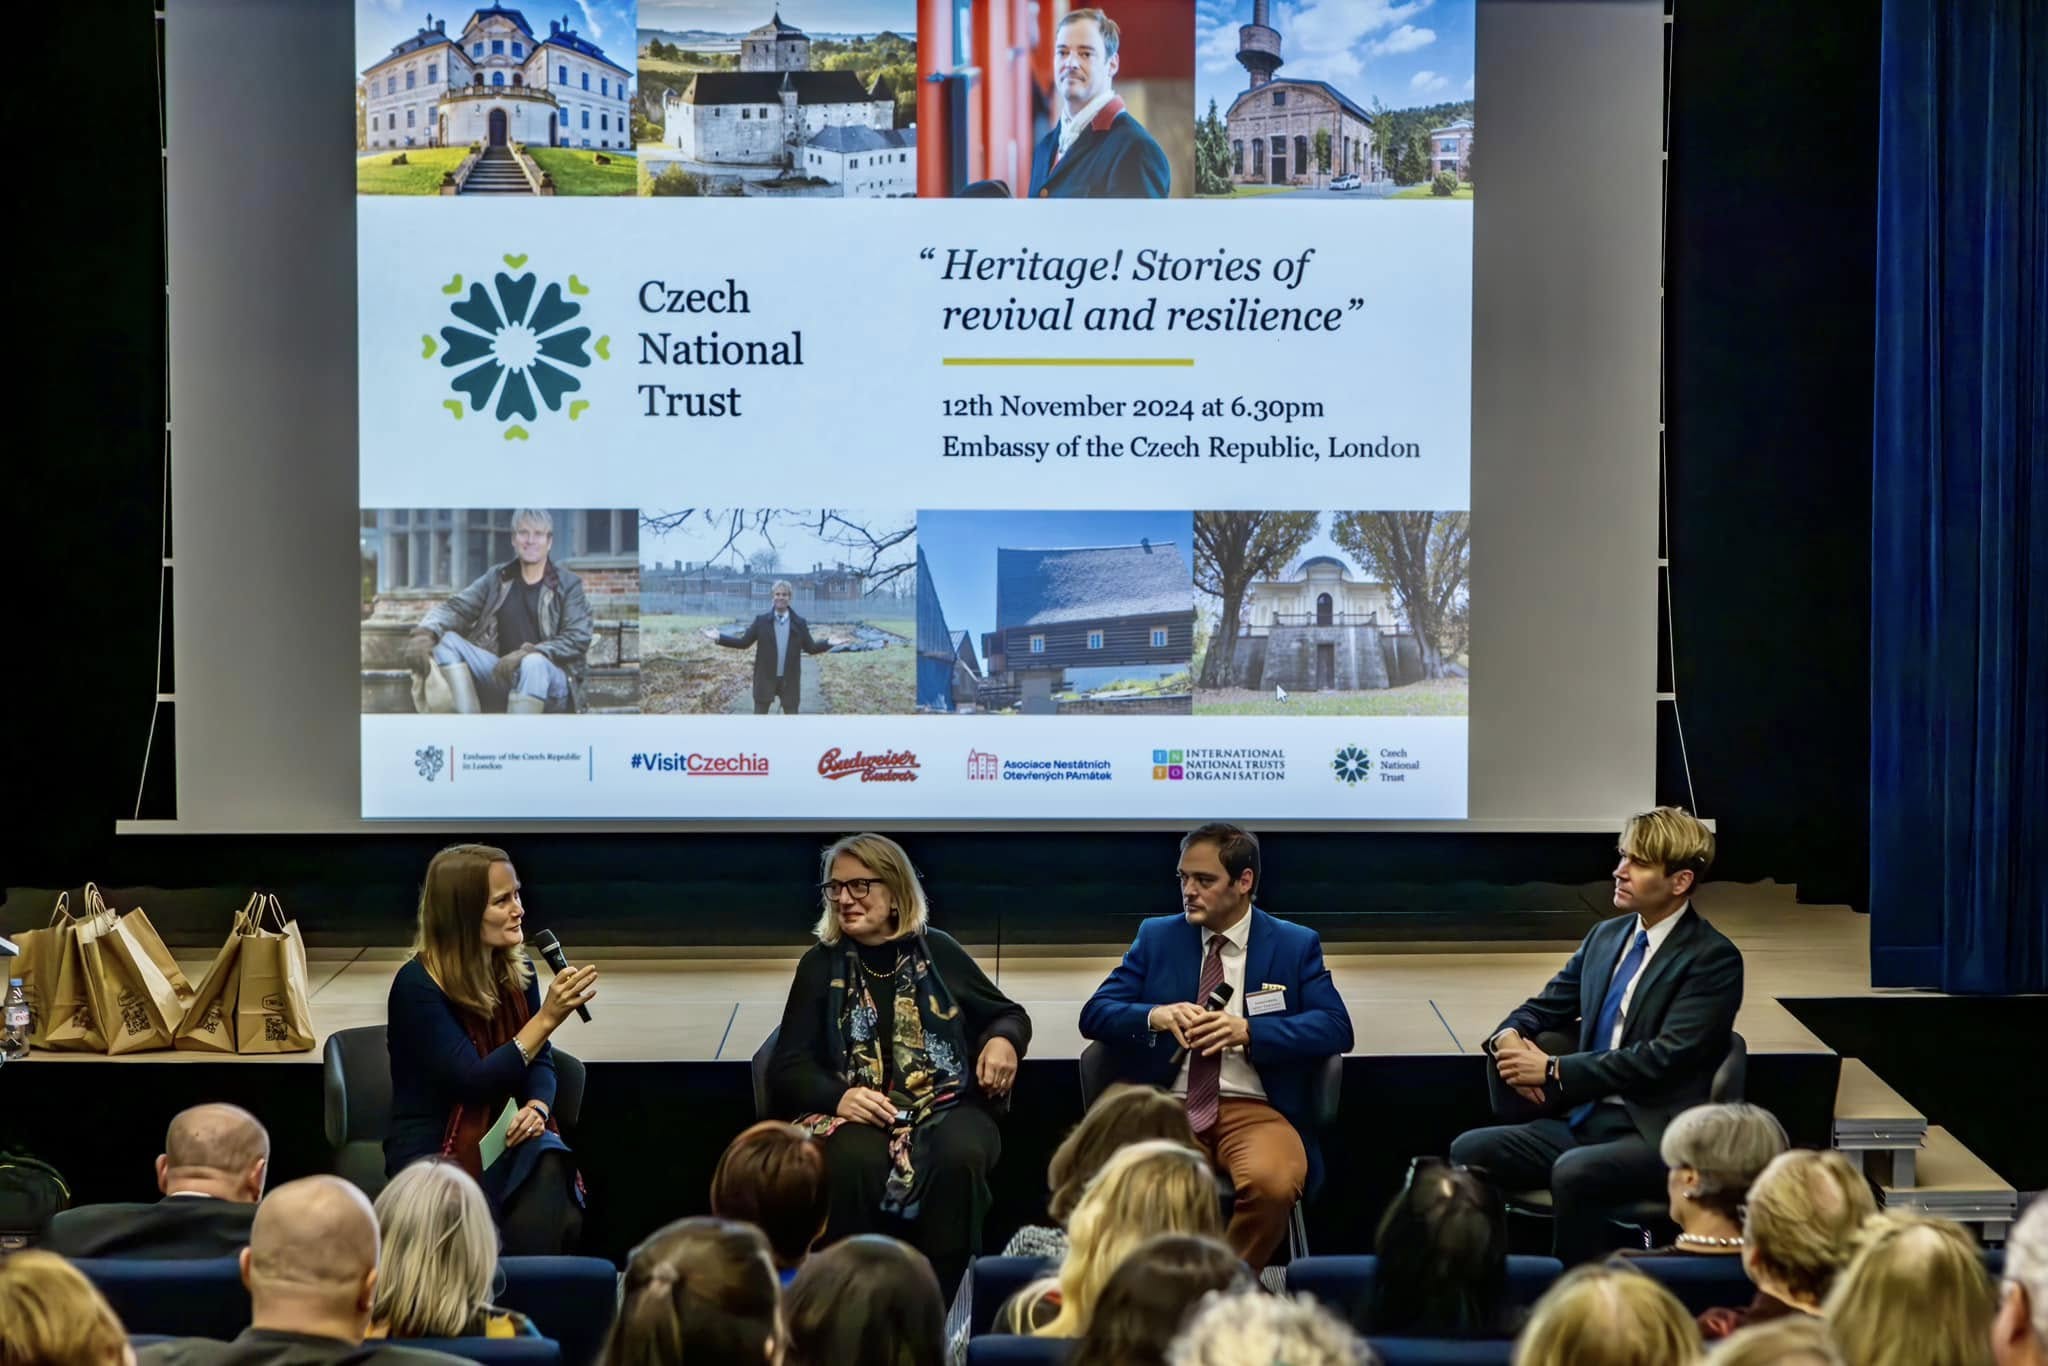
(514, 343)
(888, 766)
(1352, 765)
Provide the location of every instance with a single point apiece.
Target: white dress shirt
(1237, 1077)
(781, 643)
(1658, 933)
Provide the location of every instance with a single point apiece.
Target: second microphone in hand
(558, 963)
(1217, 999)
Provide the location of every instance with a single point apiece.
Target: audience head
(311, 1263)
(866, 1301)
(1916, 1294)
(2019, 1335)
(1801, 1223)
(1122, 1115)
(1148, 1298)
(471, 935)
(1255, 1329)
(701, 1292)
(217, 1150)
(1664, 854)
(894, 905)
(1443, 1256)
(1796, 1340)
(1711, 1154)
(1608, 1315)
(440, 1253)
(773, 1177)
(55, 1316)
(1157, 1186)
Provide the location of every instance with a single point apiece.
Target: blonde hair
(449, 942)
(1672, 838)
(1802, 1219)
(1795, 1340)
(440, 1253)
(885, 859)
(1727, 1145)
(1124, 1114)
(2026, 1263)
(1917, 1294)
(1610, 1315)
(54, 1315)
(1250, 1327)
(540, 519)
(1153, 1187)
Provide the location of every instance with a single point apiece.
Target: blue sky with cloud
(737, 16)
(1404, 52)
(382, 24)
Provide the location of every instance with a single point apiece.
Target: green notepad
(492, 1145)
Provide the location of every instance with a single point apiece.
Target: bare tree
(1426, 557)
(881, 554)
(1232, 550)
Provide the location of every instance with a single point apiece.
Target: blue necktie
(1610, 1008)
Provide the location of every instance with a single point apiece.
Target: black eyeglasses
(859, 886)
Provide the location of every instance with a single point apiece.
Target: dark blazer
(1674, 1035)
(176, 1228)
(760, 634)
(260, 1347)
(1164, 965)
(1115, 158)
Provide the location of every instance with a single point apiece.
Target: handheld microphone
(1218, 999)
(551, 949)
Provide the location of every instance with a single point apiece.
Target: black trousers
(788, 688)
(543, 1218)
(962, 1151)
(1602, 1164)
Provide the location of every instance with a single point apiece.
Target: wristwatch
(1552, 1072)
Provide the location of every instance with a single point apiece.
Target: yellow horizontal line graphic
(1069, 360)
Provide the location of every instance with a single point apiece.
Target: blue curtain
(1959, 584)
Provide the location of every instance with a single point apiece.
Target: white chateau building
(496, 81)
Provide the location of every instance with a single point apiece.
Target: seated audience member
(1915, 1294)
(1608, 1315)
(2019, 1335)
(1443, 1258)
(311, 1270)
(773, 1177)
(865, 1301)
(54, 1316)
(898, 1053)
(1800, 1228)
(1148, 1299)
(1255, 1329)
(1640, 1056)
(1122, 1115)
(1149, 1188)
(440, 1259)
(1248, 1070)
(211, 1174)
(1711, 1155)
(700, 1292)
(1798, 1341)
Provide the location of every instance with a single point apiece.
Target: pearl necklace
(1705, 1240)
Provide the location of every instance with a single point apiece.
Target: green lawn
(1252, 192)
(870, 682)
(1425, 192)
(1441, 697)
(576, 171)
(895, 626)
(420, 175)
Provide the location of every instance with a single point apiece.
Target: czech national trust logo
(1352, 765)
(512, 348)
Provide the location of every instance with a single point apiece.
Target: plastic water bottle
(14, 1023)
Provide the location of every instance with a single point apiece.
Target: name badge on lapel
(1270, 1000)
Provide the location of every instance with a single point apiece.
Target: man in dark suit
(1247, 1071)
(311, 1271)
(1650, 997)
(211, 1174)
(1097, 150)
(780, 639)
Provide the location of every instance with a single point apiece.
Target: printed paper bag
(209, 1025)
(37, 967)
(70, 1024)
(165, 992)
(271, 1014)
(120, 1003)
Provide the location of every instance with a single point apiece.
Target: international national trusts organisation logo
(887, 766)
(514, 343)
(1228, 764)
(429, 761)
(1352, 765)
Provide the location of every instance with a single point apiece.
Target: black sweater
(803, 1080)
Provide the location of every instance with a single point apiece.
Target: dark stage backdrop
(1772, 184)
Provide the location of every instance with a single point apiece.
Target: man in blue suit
(1097, 150)
(1246, 1070)
(1650, 999)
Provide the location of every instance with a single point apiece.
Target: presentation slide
(800, 412)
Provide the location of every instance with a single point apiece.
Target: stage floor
(690, 1005)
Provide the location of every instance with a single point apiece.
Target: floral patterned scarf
(925, 1073)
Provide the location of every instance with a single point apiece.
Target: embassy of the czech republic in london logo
(512, 349)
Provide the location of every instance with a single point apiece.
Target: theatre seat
(1700, 1282)
(991, 1281)
(1344, 1284)
(1442, 1352)
(1004, 1350)
(571, 1299)
(760, 1070)
(201, 1299)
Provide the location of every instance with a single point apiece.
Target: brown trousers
(1262, 1154)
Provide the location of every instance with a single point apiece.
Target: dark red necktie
(1205, 1073)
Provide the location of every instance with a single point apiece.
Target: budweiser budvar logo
(890, 766)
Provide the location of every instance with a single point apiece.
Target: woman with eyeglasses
(897, 1052)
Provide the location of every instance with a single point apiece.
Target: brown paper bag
(71, 1024)
(209, 1025)
(149, 967)
(271, 1010)
(37, 965)
(121, 1001)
